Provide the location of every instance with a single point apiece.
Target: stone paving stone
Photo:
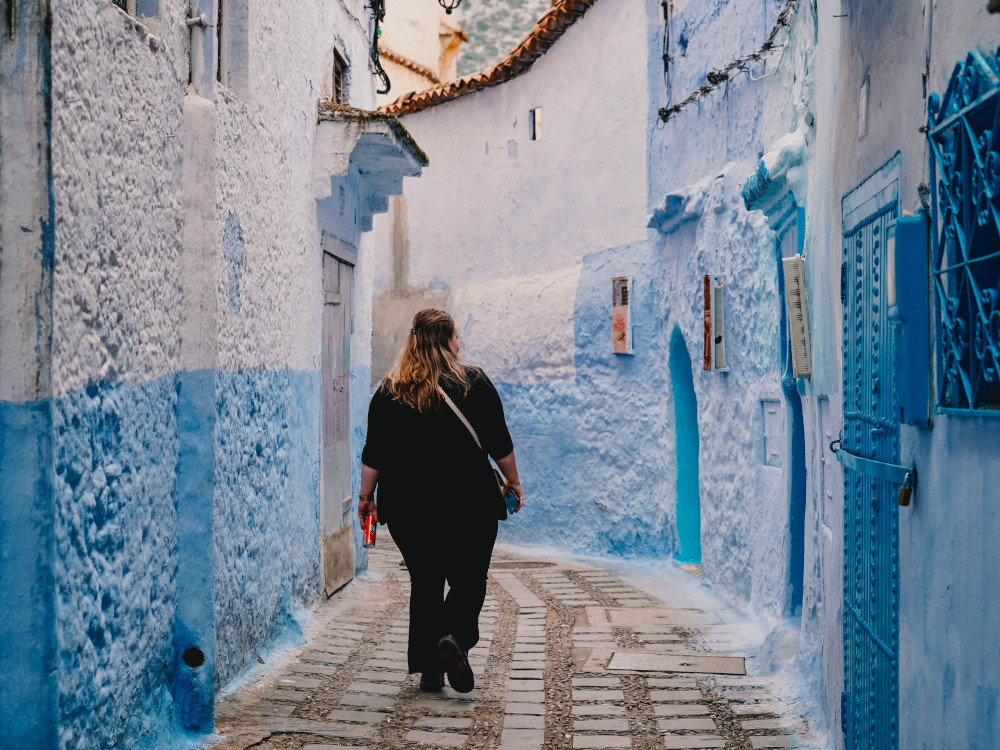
(748, 696)
(755, 709)
(600, 741)
(308, 668)
(285, 696)
(692, 742)
(372, 687)
(600, 725)
(327, 747)
(441, 739)
(680, 709)
(386, 663)
(596, 682)
(520, 721)
(673, 682)
(675, 695)
(525, 684)
(294, 681)
(598, 695)
(441, 722)
(529, 648)
(272, 709)
(381, 676)
(780, 723)
(769, 742)
(529, 709)
(527, 664)
(527, 674)
(444, 705)
(521, 739)
(603, 709)
(367, 701)
(320, 658)
(676, 724)
(526, 696)
(361, 717)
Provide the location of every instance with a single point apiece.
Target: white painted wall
(498, 224)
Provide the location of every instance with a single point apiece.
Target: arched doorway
(686, 434)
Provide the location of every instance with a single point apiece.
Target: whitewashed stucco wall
(180, 502)
(498, 223)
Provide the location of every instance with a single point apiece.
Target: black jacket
(429, 464)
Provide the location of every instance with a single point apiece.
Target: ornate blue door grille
(871, 541)
(965, 172)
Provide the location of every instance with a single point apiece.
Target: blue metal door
(871, 431)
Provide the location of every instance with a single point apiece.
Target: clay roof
(541, 38)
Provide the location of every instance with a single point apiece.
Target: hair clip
(413, 330)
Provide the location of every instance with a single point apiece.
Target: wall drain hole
(194, 657)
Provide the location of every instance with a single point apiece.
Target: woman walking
(437, 491)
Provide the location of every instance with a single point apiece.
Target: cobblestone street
(571, 656)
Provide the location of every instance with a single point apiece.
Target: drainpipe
(193, 669)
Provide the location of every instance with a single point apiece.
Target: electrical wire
(716, 78)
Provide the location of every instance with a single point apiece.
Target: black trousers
(457, 551)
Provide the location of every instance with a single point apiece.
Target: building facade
(736, 290)
(186, 283)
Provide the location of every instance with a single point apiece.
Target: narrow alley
(571, 655)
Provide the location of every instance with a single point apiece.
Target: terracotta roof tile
(541, 38)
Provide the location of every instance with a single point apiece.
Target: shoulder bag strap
(461, 416)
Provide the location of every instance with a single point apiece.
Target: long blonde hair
(426, 361)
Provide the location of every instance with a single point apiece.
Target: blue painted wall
(266, 508)
(115, 451)
(590, 450)
(28, 690)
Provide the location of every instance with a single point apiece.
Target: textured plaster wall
(116, 453)
(498, 225)
(137, 440)
(266, 513)
(116, 308)
(519, 240)
(267, 509)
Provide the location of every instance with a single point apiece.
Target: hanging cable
(378, 15)
(668, 7)
(716, 78)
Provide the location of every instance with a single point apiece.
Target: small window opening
(535, 123)
(126, 5)
(620, 293)
(9, 17)
(339, 79)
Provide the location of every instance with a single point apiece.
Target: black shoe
(431, 682)
(456, 664)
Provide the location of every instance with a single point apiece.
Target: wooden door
(337, 551)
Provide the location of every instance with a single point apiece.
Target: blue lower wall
(266, 509)
(138, 520)
(115, 525)
(590, 452)
(27, 590)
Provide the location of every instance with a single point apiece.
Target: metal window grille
(126, 5)
(965, 171)
(339, 79)
(620, 293)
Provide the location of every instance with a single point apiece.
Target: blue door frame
(870, 704)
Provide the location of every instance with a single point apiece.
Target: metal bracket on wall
(201, 20)
(904, 476)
